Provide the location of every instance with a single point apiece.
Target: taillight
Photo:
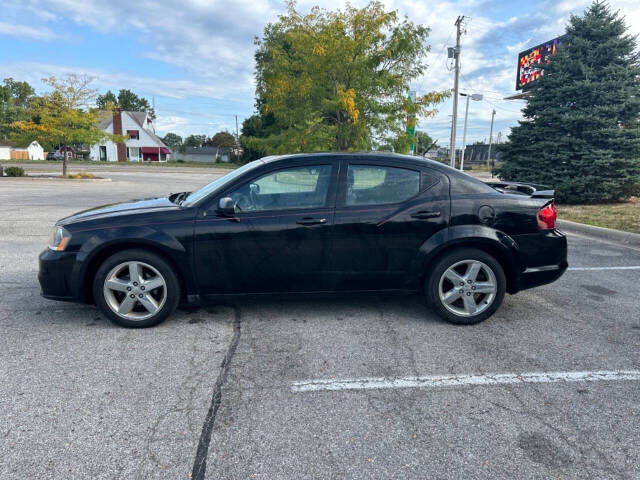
(547, 217)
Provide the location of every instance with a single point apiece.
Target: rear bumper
(55, 275)
(543, 258)
(536, 276)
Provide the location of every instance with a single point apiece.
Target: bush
(14, 172)
(179, 160)
(81, 175)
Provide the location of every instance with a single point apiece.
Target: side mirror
(227, 207)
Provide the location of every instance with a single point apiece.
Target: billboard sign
(531, 61)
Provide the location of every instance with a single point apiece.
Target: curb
(608, 234)
(37, 178)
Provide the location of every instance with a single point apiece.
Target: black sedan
(311, 223)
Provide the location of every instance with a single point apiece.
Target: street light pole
(476, 97)
(464, 135)
(493, 114)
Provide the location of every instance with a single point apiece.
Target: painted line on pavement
(582, 269)
(437, 381)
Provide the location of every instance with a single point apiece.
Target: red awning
(132, 133)
(164, 150)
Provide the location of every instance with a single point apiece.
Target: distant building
(205, 154)
(69, 151)
(477, 154)
(32, 152)
(36, 152)
(5, 151)
(142, 142)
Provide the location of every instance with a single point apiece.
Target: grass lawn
(621, 216)
(71, 163)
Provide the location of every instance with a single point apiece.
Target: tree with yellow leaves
(338, 80)
(63, 117)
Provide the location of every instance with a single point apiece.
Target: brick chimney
(117, 130)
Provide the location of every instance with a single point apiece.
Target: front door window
(288, 189)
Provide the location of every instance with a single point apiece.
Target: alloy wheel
(135, 290)
(467, 288)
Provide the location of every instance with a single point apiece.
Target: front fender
(129, 236)
(478, 236)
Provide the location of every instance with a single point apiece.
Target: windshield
(213, 186)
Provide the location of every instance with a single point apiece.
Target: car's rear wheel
(136, 289)
(466, 286)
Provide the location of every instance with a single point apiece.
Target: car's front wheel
(136, 289)
(466, 286)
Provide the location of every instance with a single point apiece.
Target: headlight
(59, 239)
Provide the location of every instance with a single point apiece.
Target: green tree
(106, 101)
(195, 140)
(221, 139)
(173, 141)
(15, 97)
(64, 116)
(338, 80)
(126, 100)
(424, 141)
(254, 129)
(581, 129)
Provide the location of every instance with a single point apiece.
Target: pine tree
(581, 132)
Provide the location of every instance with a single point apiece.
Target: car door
(278, 239)
(384, 213)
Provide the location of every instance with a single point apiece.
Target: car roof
(359, 155)
(386, 156)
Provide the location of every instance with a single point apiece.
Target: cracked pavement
(81, 398)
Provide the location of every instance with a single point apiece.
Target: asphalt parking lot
(366, 387)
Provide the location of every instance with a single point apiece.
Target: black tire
(451, 258)
(149, 259)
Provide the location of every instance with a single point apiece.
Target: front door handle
(425, 214)
(311, 221)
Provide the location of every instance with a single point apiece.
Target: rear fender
(495, 242)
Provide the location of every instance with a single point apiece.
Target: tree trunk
(64, 162)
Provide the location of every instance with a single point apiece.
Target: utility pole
(237, 149)
(490, 138)
(455, 53)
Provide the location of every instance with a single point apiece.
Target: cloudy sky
(195, 57)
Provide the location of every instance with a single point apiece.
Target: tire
(136, 289)
(486, 290)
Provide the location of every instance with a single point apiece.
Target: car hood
(131, 207)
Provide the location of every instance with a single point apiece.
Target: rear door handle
(311, 221)
(424, 214)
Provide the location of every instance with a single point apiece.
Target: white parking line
(579, 269)
(436, 381)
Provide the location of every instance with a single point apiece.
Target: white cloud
(210, 44)
(28, 32)
(33, 72)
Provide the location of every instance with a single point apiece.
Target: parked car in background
(311, 223)
(54, 156)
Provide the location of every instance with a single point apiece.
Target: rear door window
(380, 185)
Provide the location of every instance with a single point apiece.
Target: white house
(142, 142)
(36, 152)
(5, 152)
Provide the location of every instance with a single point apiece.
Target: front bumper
(55, 275)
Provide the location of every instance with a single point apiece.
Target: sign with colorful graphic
(531, 62)
(411, 123)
